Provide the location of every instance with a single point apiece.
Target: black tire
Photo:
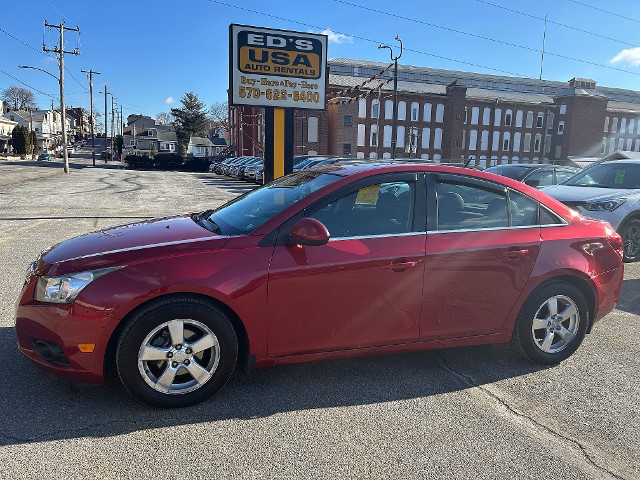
(527, 341)
(221, 358)
(630, 232)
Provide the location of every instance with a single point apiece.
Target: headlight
(604, 205)
(65, 288)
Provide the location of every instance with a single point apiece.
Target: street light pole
(394, 128)
(93, 135)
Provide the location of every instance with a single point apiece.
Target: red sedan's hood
(127, 240)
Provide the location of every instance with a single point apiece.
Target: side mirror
(308, 231)
(532, 183)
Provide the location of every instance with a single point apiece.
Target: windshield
(255, 208)
(506, 171)
(608, 175)
(306, 162)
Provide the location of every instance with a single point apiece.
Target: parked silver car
(608, 190)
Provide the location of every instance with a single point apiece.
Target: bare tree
(219, 117)
(164, 118)
(19, 98)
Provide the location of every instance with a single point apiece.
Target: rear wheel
(630, 234)
(176, 353)
(552, 323)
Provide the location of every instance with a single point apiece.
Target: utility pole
(544, 37)
(112, 124)
(93, 136)
(61, 51)
(106, 122)
(394, 128)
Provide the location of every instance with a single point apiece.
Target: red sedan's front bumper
(49, 335)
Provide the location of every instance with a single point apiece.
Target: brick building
(446, 114)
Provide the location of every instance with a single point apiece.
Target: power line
(553, 22)
(482, 37)
(378, 42)
(606, 11)
(27, 85)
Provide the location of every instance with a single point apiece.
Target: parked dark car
(44, 157)
(304, 267)
(535, 174)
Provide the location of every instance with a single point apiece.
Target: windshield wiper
(204, 220)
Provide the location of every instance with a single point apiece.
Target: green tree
(33, 141)
(191, 119)
(19, 140)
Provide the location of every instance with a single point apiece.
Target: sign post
(279, 70)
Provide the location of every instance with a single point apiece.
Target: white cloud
(336, 37)
(629, 55)
(169, 100)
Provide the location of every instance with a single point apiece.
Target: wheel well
(238, 326)
(586, 290)
(625, 220)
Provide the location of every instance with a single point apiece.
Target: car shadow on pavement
(630, 297)
(35, 406)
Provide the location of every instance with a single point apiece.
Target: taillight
(616, 243)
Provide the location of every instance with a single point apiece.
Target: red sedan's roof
(367, 168)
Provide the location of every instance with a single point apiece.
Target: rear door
(482, 243)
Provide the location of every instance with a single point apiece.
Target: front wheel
(176, 353)
(630, 234)
(552, 323)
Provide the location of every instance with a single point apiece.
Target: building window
(426, 138)
(475, 112)
(612, 145)
(426, 112)
(312, 130)
(402, 110)
(623, 125)
(360, 155)
(558, 151)
(361, 135)
(484, 140)
(486, 115)
(362, 108)
(440, 113)
(375, 108)
(540, 120)
(400, 137)
(563, 109)
(415, 111)
(614, 125)
(606, 124)
(631, 126)
(473, 139)
(346, 149)
(388, 109)
(529, 123)
(561, 127)
(516, 141)
(519, 115)
(636, 146)
(603, 147)
(549, 120)
(373, 137)
(386, 136)
(506, 141)
(547, 143)
(496, 141)
(527, 142)
(498, 117)
(413, 139)
(628, 144)
(437, 141)
(348, 120)
(507, 118)
(536, 143)
(621, 144)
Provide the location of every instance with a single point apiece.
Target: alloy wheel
(178, 356)
(631, 239)
(555, 324)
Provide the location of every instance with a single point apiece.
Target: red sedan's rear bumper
(609, 286)
(49, 335)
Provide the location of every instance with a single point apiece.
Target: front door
(480, 253)
(361, 289)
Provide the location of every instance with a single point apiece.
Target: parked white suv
(608, 190)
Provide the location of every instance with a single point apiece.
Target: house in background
(46, 123)
(200, 147)
(6, 128)
(219, 145)
(143, 141)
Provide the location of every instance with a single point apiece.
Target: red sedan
(333, 262)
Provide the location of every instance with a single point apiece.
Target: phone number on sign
(279, 94)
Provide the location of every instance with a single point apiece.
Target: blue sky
(151, 53)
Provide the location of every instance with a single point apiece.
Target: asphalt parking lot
(470, 412)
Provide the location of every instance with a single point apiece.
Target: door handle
(400, 265)
(516, 253)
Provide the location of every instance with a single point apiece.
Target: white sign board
(277, 68)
